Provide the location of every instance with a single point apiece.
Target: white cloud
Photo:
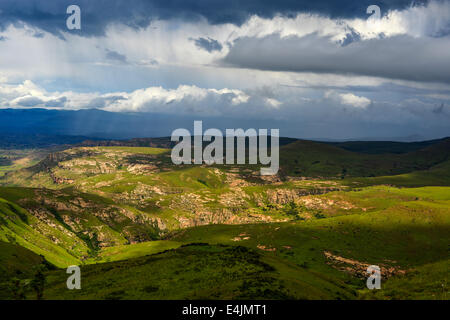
(180, 99)
(162, 70)
(273, 103)
(353, 100)
(183, 99)
(418, 21)
(347, 99)
(167, 42)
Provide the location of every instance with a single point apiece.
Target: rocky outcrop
(284, 196)
(359, 269)
(97, 224)
(223, 216)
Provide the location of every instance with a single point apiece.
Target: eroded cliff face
(278, 197)
(110, 196)
(222, 216)
(98, 224)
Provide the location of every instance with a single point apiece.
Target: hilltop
(307, 233)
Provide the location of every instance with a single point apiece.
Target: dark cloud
(400, 57)
(56, 103)
(102, 102)
(113, 55)
(149, 62)
(29, 101)
(38, 35)
(51, 15)
(439, 110)
(209, 44)
(352, 36)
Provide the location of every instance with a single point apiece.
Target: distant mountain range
(44, 127)
(110, 125)
(92, 122)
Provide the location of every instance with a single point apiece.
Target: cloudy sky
(317, 69)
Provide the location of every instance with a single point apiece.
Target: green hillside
(142, 228)
(198, 272)
(16, 261)
(314, 159)
(18, 267)
(383, 147)
(438, 175)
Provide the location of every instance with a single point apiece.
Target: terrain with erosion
(143, 228)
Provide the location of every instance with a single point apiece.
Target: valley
(126, 214)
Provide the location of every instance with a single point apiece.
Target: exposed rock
(261, 247)
(358, 268)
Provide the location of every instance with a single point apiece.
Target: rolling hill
(313, 159)
(127, 215)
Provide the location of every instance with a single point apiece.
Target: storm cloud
(399, 57)
(314, 69)
(209, 44)
(97, 15)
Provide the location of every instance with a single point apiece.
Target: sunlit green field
(143, 229)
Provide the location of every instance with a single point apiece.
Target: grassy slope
(12, 159)
(399, 232)
(125, 252)
(109, 172)
(307, 158)
(69, 224)
(380, 147)
(17, 266)
(429, 281)
(19, 227)
(287, 260)
(383, 225)
(198, 272)
(16, 261)
(438, 175)
(139, 150)
(300, 158)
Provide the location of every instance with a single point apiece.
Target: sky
(313, 69)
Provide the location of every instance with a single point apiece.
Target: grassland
(438, 175)
(307, 158)
(403, 230)
(125, 252)
(16, 159)
(135, 150)
(143, 229)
